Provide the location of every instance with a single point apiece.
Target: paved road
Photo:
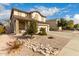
(72, 48)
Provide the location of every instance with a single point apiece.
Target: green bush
(42, 31)
(32, 30)
(70, 25)
(76, 26)
(53, 28)
(2, 29)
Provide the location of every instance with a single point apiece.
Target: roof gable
(25, 12)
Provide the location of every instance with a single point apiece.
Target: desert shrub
(14, 45)
(42, 31)
(2, 29)
(53, 28)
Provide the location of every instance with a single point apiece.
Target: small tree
(62, 23)
(32, 29)
(42, 31)
(76, 26)
(70, 24)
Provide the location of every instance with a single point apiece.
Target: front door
(21, 26)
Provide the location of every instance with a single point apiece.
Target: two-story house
(21, 19)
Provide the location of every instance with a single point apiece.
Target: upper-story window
(43, 19)
(20, 13)
(23, 15)
(16, 13)
(36, 17)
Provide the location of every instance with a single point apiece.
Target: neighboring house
(52, 23)
(20, 20)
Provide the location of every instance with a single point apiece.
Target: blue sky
(51, 10)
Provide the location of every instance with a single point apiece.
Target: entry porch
(21, 26)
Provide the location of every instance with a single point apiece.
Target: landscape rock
(45, 50)
(56, 52)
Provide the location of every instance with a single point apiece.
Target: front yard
(38, 46)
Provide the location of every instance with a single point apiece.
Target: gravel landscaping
(38, 46)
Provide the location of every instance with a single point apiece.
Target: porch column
(17, 27)
(28, 24)
(25, 25)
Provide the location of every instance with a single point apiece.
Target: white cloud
(67, 17)
(65, 9)
(4, 12)
(45, 10)
(4, 15)
(1, 7)
(76, 18)
(6, 4)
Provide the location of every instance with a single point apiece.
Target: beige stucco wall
(19, 13)
(39, 17)
(34, 15)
